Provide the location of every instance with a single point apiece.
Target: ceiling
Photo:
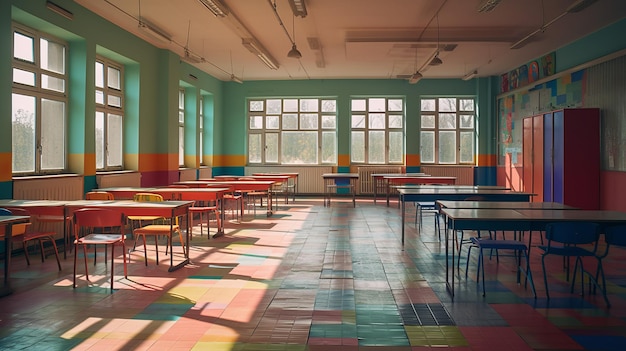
(355, 39)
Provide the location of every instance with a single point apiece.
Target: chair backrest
(574, 233)
(99, 195)
(147, 197)
(616, 235)
(98, 218)
(5, 212)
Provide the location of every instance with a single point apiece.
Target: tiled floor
(309, 278)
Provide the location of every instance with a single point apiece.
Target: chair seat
(95, 239)
(156, 229)
(567, 251)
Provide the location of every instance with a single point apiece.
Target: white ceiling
(362, 38)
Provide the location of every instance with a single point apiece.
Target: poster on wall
(528, 73)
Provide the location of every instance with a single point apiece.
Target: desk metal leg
(403, 216)
(6, 287)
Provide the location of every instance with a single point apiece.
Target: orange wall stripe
(412, 160)
(6, 167)
(487, 160)
(229, 161)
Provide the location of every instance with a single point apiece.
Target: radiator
(49, 188)
(464, 174)
(366, 182)
(310, 179)
(132, 179)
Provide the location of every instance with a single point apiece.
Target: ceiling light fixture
(234, 78)
(487, 5)
(470, 75)
(254, 47)
(436, 61)
(416, 77)
(298, 7)
(154, 32)
(294, 52)
(579, 5)
(216, 7)
(59, 10)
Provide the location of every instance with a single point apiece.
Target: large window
(181, 128)
(292, 131)
(39, 103)
(377, 131)
(448, 131)
(109, 115)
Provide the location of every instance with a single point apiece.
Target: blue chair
(573, 240)
(516, 246)
(614, 236)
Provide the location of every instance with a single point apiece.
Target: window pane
(181, 99)
(358, 121)
(114, 79)
(23, 47)
(447, 104)
(428, 105)
(447, 147)
(271, 147)
(99, 97)
(299, 148)
(114, 140)
(23, 77)
(357, 146)
(329, 147)
(52, 56)
(308, 121)
(329, 122)
(395, 147)
(466, 121)
(99, 75)
(447, 121)
(100, 147)
(395, 121)
(116, 101)
(329, 106)
(427, 147)
(256, 122)
(466, 104)
(254, 148)
(428, 121)
(181, 117)
(274, 107)
(466, 145)
(376, 147)
(181, 146)
(52, 83)
(23, 133)
(376, 121)
(290, 105)
(394, 105)
(256, 106)
(358, 105)
(272, 122)
(52, 134)
(377, 104)
(290, 121)
(309, 105)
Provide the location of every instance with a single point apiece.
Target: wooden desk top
(512, 205)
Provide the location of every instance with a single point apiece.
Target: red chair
(88, 224)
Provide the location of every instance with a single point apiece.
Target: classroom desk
(292, 183)
(394, 181)
(243, 186)
(432, 194)
(515, 220)
(378, 180)
(281, 185)
(7, 222)
(47, 211)
(336, 181)
(168, 209)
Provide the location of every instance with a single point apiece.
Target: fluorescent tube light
(470, 75)
(415, 78)
(256, 48)
(59, 10)
(236, 79)
(192, 58)
(579, 5)
(216, 7)
(154, 32)
(487, 5)
(298, 7)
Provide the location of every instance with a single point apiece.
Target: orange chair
(88, 222)
(24, 234)
(156, 230)
(99, 195)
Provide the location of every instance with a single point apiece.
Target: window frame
(41, 95)
(436, 130)
(368, 129)
(181, 127)
(273, 128)
(108, 110)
